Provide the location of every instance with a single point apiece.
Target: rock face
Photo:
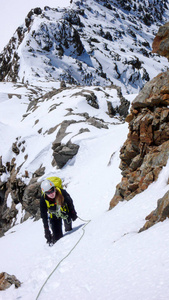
(7, 280)
(17, 197)
(161, 41)
(63, 153)
(146, 149)
(159, 214)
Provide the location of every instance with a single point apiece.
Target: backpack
(57, 181)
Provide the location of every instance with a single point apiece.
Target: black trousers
(68, 224)
(56, 225)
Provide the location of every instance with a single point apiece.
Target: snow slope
(111, 261)
(106, 259)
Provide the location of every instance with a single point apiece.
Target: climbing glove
(48, 236)
(74, 217)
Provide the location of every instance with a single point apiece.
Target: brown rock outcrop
(7, 280)
(27, 196)
(161, 41)
(146, 149)
(159, 214)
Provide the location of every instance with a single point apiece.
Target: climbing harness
(87, 222)
(59, 213)
(58, 210)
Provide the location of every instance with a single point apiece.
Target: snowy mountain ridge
(90, 43)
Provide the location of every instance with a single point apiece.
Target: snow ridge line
(87, 222)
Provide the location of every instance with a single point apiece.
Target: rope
(87, 222)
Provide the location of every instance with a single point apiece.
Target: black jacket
(67, 200)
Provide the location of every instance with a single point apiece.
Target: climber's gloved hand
(48, 236)
(74, 217)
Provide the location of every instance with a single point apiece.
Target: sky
(13, 13)
(104, 257)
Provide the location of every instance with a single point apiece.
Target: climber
(55, 205)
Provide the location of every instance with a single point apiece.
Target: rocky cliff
(146, 150)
